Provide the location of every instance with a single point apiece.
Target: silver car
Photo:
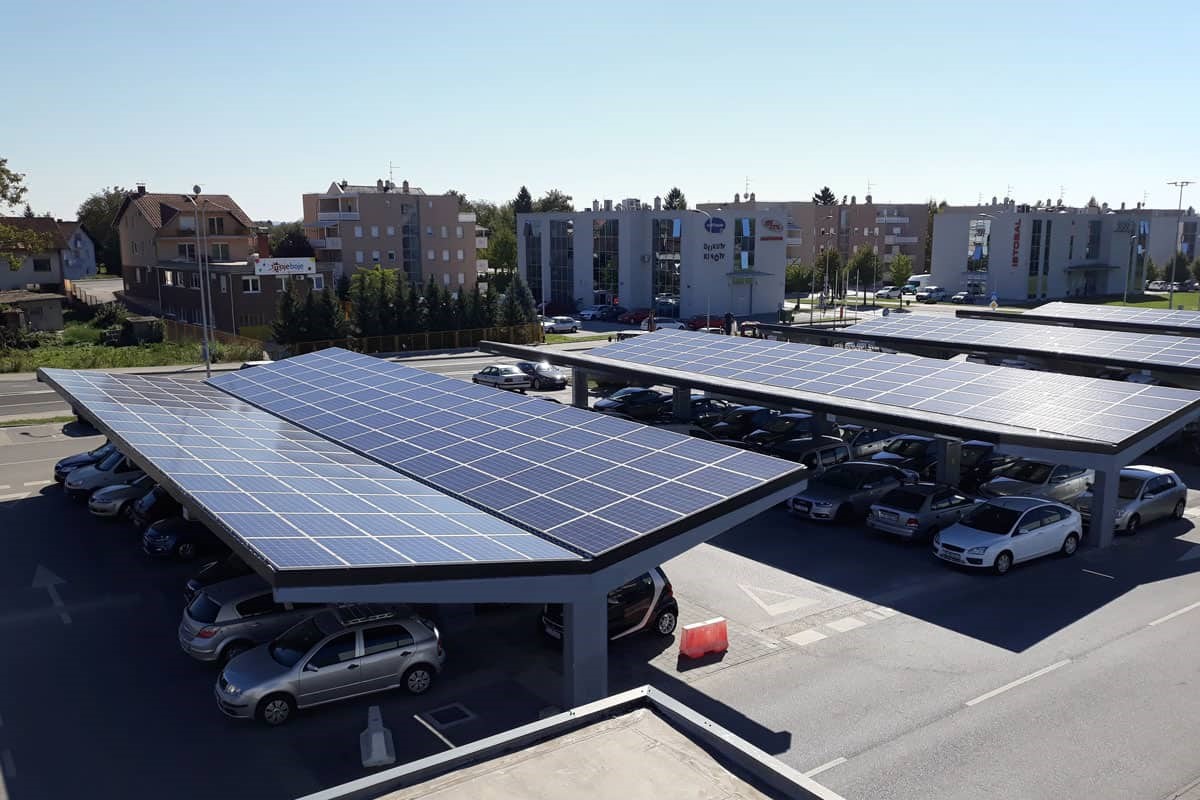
(114, 469)
(845, 491)
(228, 618)
(502, 376)
(918, 512)
(336, 654)
(1144, 494)
(115, 501)
(1030, 478)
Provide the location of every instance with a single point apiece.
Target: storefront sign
(772, 231)
(285, 266)
(714, 251)
(714, 224)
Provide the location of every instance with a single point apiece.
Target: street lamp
(1129, 269)
(1178, 241)
(200, 262)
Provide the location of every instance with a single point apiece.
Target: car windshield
(906, 447)
(142, 482)
(841, 478)
(1130, 488)
(990, 518)
(626, 393)
(291, 646)
(973, 455)
(110, 461)
(764, 418)
(903, 499)
(1028, 471)
(102, 450)
(783, 424)
(203, 609)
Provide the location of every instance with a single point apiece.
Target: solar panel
(1142, 317)
(590, 481)
(289, 495)
(1146, 349)
(1040, 403)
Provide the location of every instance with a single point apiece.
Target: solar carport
(1175, 322)
(1088, 422)
(344, 478)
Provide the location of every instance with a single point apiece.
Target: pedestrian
(728, 324)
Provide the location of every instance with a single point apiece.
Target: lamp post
(1178, 241)
(707, 284)
(1129, 269)
(195, 200)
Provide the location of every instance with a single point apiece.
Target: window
(194, 280)
(445, 278)
(445, 255)
(1046, 248)
(429, 230)
(216, 226)
(431, 256)
(281, 283)
(743, 243)
(318, 282)
(462, 278)
(1071, 248)
(458, 232)
(224, 283)
(605, 258)
(186, 251)
(261, 604)
(391, 230)
(979, 236)
(391, 255)
(358, 256)
(251, 284)
(358, 231)
(444, 232)
(1035, 247)
(375, 231)
(384, 638)
(187, 224)
(168, 278)
(666, 244)
(218, 252)
(337, 650)
(562, 261)
(460, 255)
(374, 256)
(1093, 243)
(137, 273)
(41, 265)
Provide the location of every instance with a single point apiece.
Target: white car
(888, 292)
(560, 325)
(502, 376)
(113, 470)
(113, 501)
(594, 312)
(1008, 530)
(664, 323)
(931, 294)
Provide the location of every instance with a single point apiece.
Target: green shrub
(110, 315)
(78, 333)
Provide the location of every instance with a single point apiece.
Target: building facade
(71, 255)
(1023, 253)
(353, 227)
(716, 259)
(887, 229)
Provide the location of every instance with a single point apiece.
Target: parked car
(156, 504)
(817, 453)
(1144, 494)
(706, 321)
(979, 462)
(740, 420)
(227, 568)
(962, 298)
(228, 618)
(634, 316)
(636, 402)
(645, 603)
(888, 292)
(607, 313)
(543, 374)
(560, 325)
(864, 441)
(930, 294)
(845, 492)
(918, 512)
(592, 312)
(777, 427)
(66, 465)
(1008, 530)
(908, 288)
(333, 655)
(502, 376)
(664, 323)
(917, 453)
(182, 539)
(1157, 286)
(708, 411)
(118, 500)
(113, 470)
(1030, 478)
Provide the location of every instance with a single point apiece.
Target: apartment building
(397, 227)
(70, 256)
(1021, 252)
(161, 266)
(887, 229)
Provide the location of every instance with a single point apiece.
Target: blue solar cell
(666, 465)
(585, 495)
(499, 495)
(596, 535)
(209, 482)
(290, 503)
(679, 497)
(362, 550)
(257, 525)
(542, 513)
(425, 550)
(297, 553)
(480, 548)
(633, 513)
(228, 501)
(626, 480)
(462, 479)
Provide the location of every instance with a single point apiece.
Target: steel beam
(585, 649)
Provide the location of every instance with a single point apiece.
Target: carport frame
(1031, 317)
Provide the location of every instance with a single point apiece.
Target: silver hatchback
(1144, 494)
(333, 655)
(918, 512)
(229, 617)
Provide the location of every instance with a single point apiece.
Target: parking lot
(852, 655)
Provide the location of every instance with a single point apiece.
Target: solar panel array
(1148, 317)
(1145, 348)
(588, 480)
(295, 498)
(1045, 403)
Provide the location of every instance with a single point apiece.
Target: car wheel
(665, 622)
(1003, 563)
(418, 679)
(1180, 507)
(573, 330)
(1134, 523)
(537, 384)
(185, 551)
(1070, 545)
(127, 511)
(275, 709)
(233, 650)
(929, 534)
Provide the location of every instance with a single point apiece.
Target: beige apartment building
(401, 227)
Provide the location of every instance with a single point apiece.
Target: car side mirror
(310, 667)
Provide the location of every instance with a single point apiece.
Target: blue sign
(714, 224)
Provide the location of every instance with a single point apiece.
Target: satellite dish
(196, 189)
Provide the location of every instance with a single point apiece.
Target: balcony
(899, 239)
(891, 220)
(480, 242)
(481, 265)
(466, 216)
(332, 243)
(336, 216)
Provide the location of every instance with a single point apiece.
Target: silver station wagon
(228, 618)
(1144, 494)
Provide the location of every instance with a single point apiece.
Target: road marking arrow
(45, 579)
(790, 602)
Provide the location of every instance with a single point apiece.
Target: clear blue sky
(268, 100)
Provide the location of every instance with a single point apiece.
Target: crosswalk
(845, 624)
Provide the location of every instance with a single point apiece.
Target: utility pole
(1181, 183)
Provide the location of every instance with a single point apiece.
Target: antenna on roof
(391, 171)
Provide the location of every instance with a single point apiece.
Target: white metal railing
(336, 216)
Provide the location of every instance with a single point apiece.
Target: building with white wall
(717, 259)
(1021, 252)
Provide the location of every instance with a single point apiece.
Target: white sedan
(888, 292)
(664, 323)
(502, 376)
(1007, 530)
(560, 325)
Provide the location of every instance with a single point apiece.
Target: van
(916, 283)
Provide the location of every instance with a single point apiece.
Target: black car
(645, 603)
(610, 313)
(917, 453)
(979, 463)
(702, 411)
(214, 572)
(65, 466)
(543, 375)
(740, 420)
(792, 425)
(636, 402)
(156, 504)
(183, 539)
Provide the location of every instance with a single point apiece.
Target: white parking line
(433, 730)
(1019, 681)
(806, 637)
(827, 765)
(37, 483)
(1173, 615)
(845, 624)
(1101, 574)
(4, 498)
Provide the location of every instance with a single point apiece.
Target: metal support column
(949, 460)
(585, 650)
(1104, 505)
(681, 403)
(822, 424)
(579, 388)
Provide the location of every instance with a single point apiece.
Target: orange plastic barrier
(701, 638)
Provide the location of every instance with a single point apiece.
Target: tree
(98, 214)
(826, 268)
(490, 307)
(331, 317)
(463, 203)
(502, 250)
(825, 197)
(473, 316)
(554, 200)
(1177, 267)
(289, 326)
(1194, 268)
(435, 313)
(798, 278)
(1152, 270)
(517, 308)
(343, 287)
(17, 243)
(860, 268)
(523, 204)
(287, 240)
(12, 189)
(901, 269)
(28, 214)
(675, 200)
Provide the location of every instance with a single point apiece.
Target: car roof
(235, 589)
(1022, 503)
(923, 488)
(813, 443)
(913, 437)
(1144, 471)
